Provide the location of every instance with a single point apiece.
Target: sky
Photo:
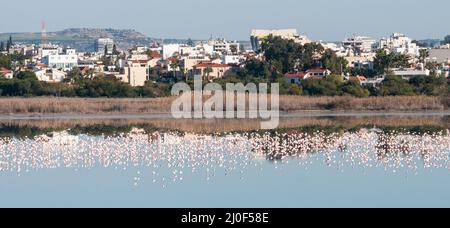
(327, 20)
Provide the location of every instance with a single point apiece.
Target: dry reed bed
(52, 105)
(220, 126)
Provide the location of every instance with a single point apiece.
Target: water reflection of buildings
(232, 152)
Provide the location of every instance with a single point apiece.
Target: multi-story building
(104, 43)
(233, 59)
(57, 59)
(169, 50)
(257, 36)
(187, 63)
(222, 46)
(49, 50)
(359, 44)
(135, 73)
(64, 62)
(399, 43)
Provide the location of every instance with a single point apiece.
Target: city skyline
(330, 20)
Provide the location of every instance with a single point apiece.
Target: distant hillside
(83, 39)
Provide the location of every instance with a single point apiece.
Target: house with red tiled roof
(319, 72)
(295, 78)
(212, 70)
(155, 55)
(40, 66)
(359, 79)
(7, 73)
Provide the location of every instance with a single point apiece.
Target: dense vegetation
(27, 84)
(283, 56)
(280, 57)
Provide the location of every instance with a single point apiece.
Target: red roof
(319, 70)
(5, 70)
(212, 65)
(155, 55)
(295, 75)
(358, 78)
(42, 65)
(85, 69)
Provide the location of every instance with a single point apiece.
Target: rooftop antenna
(44, 37)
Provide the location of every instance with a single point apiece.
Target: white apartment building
(359, 44)
(334, 47)
(64, 62)
(222, 46)
(400, 43)
(57, 58)
(233, 59)
(168, 50)
(257, 36)
(46, 51)
(50, 75)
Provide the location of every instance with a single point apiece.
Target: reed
(53, 105)
(229, 125)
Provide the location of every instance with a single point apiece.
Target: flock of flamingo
(170, 156)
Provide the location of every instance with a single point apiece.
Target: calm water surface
(366, 167)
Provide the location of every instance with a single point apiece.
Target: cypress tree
(115, 50)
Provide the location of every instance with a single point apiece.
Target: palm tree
(175, 65)
(424, 54)
(207, 71)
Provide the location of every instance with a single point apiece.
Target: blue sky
(233, 19)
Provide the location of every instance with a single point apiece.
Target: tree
(5, 61)
(423, 55)
(446, 40)
(255, 68)
(289, 56)
(106, 50)
(430, 86)
(190, 42)
(354, 89)
(395, 86)
(2, 46)
(175, 65)
(27, 75)
(233, 49)
(383, 61)
(207, 71)
(294, 89)
(9, 44)
(337, 65)
(115, 52)
(321, 87)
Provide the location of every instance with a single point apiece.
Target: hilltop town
(358, 66)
